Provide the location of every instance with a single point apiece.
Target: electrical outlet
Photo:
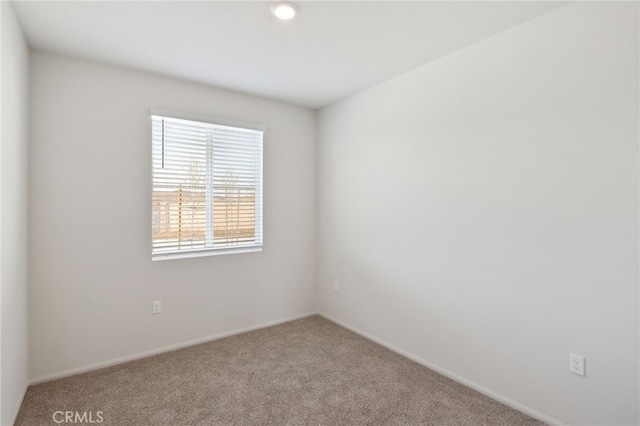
(336, 286)
(157, 307)
(576, 364)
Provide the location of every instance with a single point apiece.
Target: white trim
(20, 400)
(161, 112)
(204, 252)
(140, 355)
(483, 390)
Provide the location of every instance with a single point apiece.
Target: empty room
(320, 213)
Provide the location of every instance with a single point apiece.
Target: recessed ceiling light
(284, 10)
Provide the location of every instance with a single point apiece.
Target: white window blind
(207, 188)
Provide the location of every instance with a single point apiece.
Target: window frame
(258, 209)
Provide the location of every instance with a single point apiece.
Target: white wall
(481, 212)
(93, 280)
(13, 220)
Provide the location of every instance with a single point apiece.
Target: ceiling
(330, 51)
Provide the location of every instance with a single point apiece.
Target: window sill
(203, 253)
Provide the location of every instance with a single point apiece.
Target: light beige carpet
(305, 372)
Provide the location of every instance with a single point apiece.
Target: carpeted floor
(305, 372)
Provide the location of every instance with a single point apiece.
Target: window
(207, 186)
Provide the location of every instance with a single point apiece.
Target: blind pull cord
(163, 143)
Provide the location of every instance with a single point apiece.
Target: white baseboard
(17, 408)
(140, 355)
(483, 390)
